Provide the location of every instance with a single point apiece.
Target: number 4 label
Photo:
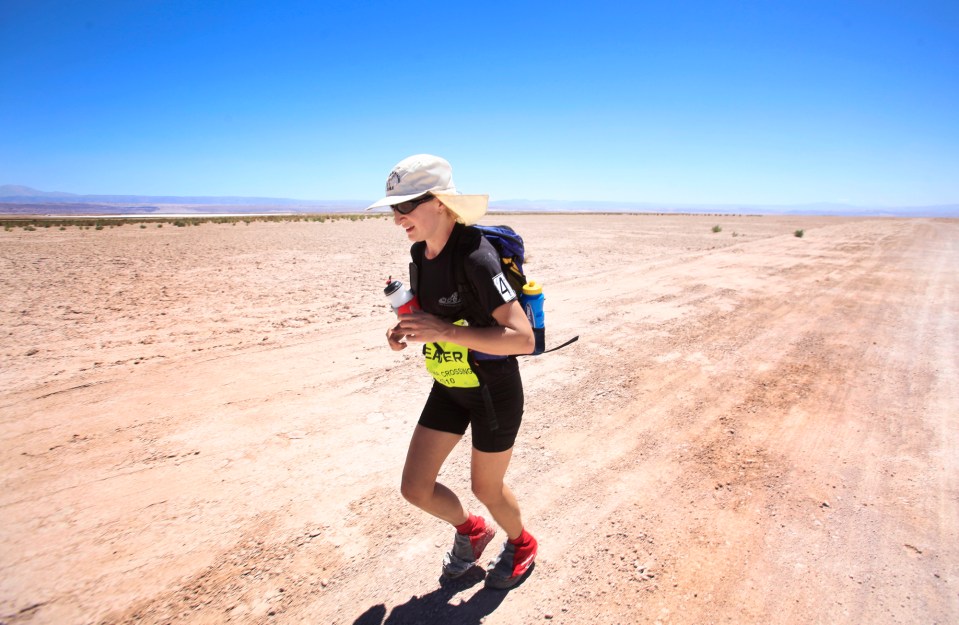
(504, 288)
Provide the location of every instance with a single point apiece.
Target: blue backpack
(512, 254)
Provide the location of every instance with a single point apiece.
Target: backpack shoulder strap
(416, 253)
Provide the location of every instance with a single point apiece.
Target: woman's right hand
(395, 339)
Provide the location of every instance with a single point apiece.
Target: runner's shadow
(434, 607)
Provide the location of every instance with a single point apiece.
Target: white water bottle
(402, 300)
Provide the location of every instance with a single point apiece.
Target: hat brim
(389, 200)
(468, 208)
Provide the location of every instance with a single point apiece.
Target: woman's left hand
(422, 327)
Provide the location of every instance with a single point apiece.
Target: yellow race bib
(449, 365)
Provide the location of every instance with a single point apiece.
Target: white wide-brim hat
(424, 173)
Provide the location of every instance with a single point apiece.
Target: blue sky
(697, 102)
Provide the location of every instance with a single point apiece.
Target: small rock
(324, 582)
(548, 616)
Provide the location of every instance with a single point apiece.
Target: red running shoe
(512, 563)
(466, 551)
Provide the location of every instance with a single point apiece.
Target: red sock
(525, 553)
(470, 525)
(522, 539)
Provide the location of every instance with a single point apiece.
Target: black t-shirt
(438, 292)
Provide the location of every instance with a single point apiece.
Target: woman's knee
(415, 492)
(487, 492)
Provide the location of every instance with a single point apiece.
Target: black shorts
(495, 410)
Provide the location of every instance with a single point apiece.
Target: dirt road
(204, 425)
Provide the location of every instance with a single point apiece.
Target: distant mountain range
(19, 199)
(11, 193)
(819, 208)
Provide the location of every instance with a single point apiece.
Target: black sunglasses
(407, 207)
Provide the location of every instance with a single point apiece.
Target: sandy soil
(205, 425)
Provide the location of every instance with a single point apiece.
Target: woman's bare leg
(487, 473)
(427, 452)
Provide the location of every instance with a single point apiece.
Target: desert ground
(205, 425)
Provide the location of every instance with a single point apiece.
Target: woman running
(471, 332)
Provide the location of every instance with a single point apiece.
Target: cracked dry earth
(204, 425)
